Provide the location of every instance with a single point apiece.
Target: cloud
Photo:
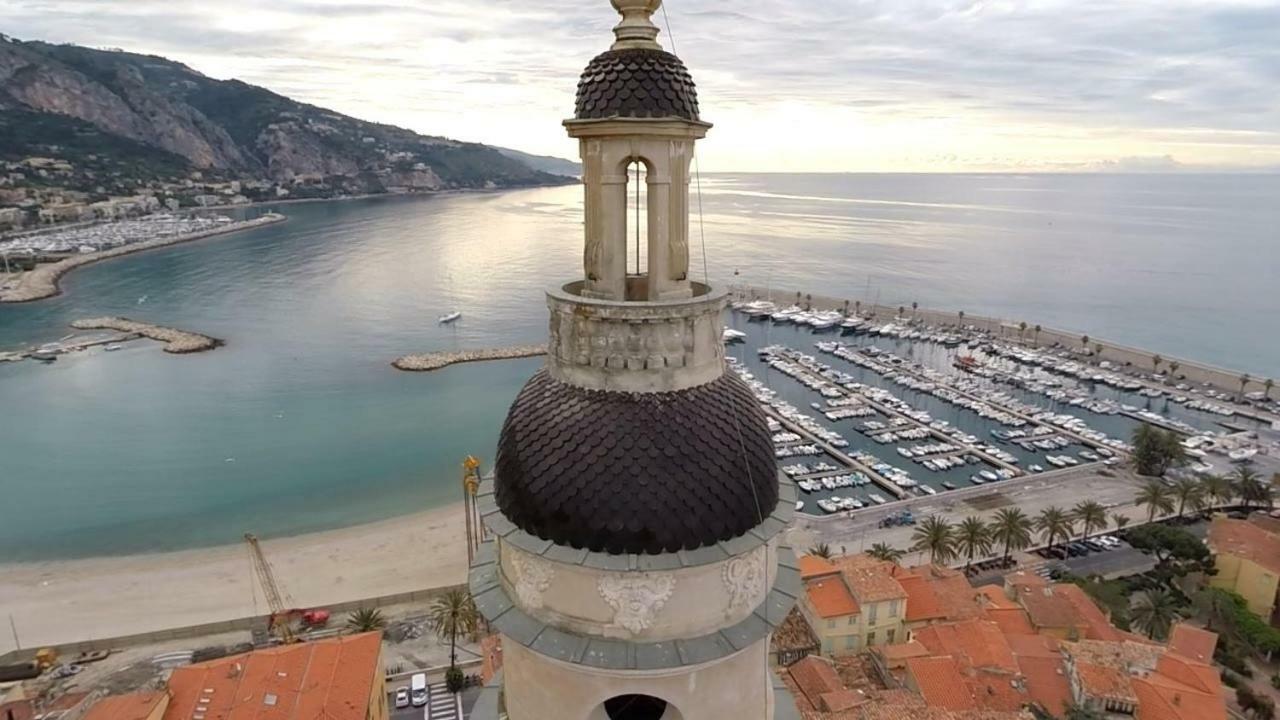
(792, 84)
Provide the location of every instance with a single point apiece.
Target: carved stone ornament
(744, 578)
(533, 577)
(636, 601)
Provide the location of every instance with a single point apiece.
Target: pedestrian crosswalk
(442, 704)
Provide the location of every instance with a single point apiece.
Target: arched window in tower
(639, 707)
(637, 218)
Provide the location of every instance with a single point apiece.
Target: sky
(791, 85)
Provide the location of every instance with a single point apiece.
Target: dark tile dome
(636, 83)
(635, 472)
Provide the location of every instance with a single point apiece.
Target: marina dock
(176, 341)
(840, 456)
(436, 360)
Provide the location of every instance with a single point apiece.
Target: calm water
(300, 424)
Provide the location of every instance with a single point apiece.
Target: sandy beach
(70, 600)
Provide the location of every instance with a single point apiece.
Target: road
(441, 707)
(859, 530)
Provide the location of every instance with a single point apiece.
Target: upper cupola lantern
(636, 107)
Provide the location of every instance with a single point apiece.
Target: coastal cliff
(98, 110)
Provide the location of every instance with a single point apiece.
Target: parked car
(402, 697)
(419, 692)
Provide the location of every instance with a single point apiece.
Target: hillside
(124, 121)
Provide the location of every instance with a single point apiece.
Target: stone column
(659, 189)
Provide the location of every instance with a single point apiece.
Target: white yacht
(445, 319)
(731, 336)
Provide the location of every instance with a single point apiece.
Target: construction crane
(281, 618)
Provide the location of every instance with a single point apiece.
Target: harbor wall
(1190, 370)
(234, 625)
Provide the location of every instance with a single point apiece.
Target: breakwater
(1096, 349)
(42, 282)
(178, 342)
(437, 360)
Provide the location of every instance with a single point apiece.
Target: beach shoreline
(64, 601)
(43, 282)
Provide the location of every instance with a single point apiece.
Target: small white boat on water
(112, 347)
(731, 336)
(445, 319)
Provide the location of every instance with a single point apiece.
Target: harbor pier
(178, 342)
(435, 360)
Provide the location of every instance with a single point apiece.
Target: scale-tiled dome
(636, 83)
(635, 472)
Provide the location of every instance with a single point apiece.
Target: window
(826, 647)
(888, 637)
(831, 624)
(635, 707)
(871, 616)
(893, 611)
(853, 619)
(871, 638)
(851, 642)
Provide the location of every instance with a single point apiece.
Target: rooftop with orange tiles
(131, 706)
(1245, 539)
(871, 580)
(830, 597)
(333, 677)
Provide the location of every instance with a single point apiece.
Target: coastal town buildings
(636, 569)
(1029, 648)
(1247, 558)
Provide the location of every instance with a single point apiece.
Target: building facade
(1247, 558)
(635, 569)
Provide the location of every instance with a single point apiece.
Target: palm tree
(1097, 349)
(1188, 493)
(883, 551)
(902, 310)
(960, 315)
(1244, 382)
(1037, 337)
(808, 301)
(452, 614)
(1091, 516)
(1250, 488)
(1267, 385)
(1216, 489)
(1022, 329)
(972, 537)
(1084, 341)
(1053, 523)
(1156, 497)
(935, 535)
(914, 307)
(1214, 607)
(821, 550)
(1173, 368)
(857, 307)
(365, 620)
(1011, 528)
(1154, 613)
(1120, 521)
(1156, 362)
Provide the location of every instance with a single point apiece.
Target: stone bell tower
(635, 569)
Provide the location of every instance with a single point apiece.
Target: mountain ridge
(63, 101)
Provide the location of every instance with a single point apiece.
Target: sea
(300, 423)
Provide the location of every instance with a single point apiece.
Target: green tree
(1120, 521)
(1091, 516)
(1173, 369)
(1245, 379)
(1156, 497)
(1053, 523)
(1155, 612)
(1250, 488)
(1156, 362)
(1022, 329)
(1155, 451)
(452, 614)
(935, 536)
(1188, 493)
(883, 551)
(972, 538)
(821, 550)
(1011, 528)
(960, 316)
(1084, 341)
(1177, 551)
(1268, 385)
(1037, 339)
(1216, 489)
(365, 620)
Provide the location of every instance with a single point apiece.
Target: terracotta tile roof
(902, 651)
(1244, 539)
(840, 700)
(994, 597)
(1033, 645)
(870, 580)
(1065, 606)
(1180, 689)
(1102, 681)
(1096, 625)
(977, 643)
(1193, 642)
(325, 678)
(922, 601)
(1012, 621)
(1045, 678)
(815, 677)
(830, 598)
(813, 566)
(132, 706)
(20, 709)
(937, 592)
(941, 683)
(996, 691)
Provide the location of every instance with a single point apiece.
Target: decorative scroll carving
(533, 577)
(744, 578)
(636, 601)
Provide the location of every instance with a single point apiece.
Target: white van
(418, 689)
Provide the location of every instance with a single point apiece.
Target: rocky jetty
(175, 341)
(437, 360)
